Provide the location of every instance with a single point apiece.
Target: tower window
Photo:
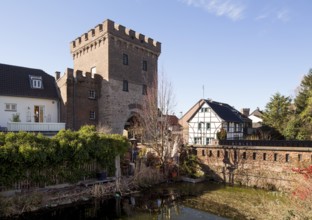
(125, 86)
(144, 67)
(91, 94)
(92, 115)
(144, 90)
(125, 59)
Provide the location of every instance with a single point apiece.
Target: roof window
(36, 82)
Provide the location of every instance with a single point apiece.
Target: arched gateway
(133, 127)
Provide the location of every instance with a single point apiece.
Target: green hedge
(41, 160)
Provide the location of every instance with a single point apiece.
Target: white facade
(255, 119)
(30, 110)
(203, 127)
(205, 124)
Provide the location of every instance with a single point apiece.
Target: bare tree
(156, 114)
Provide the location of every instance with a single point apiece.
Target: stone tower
(126, 61)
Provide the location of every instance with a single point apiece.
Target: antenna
(203, 91)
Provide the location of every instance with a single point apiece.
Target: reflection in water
(163, 203)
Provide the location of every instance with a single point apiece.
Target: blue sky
(240, 51)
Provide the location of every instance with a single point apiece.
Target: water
(161, 203)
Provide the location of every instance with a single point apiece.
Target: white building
(29, 100)
(206, 118)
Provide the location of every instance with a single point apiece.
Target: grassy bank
(248, 203)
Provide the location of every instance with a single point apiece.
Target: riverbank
(14, 203)
(248, 203)
(232, 202)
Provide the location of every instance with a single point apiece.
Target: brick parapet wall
(261, 166)
(96, 36)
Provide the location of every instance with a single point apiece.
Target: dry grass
(146, 177)
(246, 203)
(19, 204)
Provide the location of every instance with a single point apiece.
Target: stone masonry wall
(265, 167)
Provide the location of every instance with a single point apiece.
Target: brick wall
(261, 166)
(102, 48)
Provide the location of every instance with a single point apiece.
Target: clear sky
(240, 51)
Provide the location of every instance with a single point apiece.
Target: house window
(200, 125)
(207, 141)
(10, 107)
(197, 140)
(39, 113)
(244, 155)
(91, 94)
(92, 115)
(264, 156)
(207, 126)
(204, 110)
(203, 153)
(36, 82)
(287, 158)
(144, 90)
(218, 153)
(125, 86)
(144, 67)
(125, 59)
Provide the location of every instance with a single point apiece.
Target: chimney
(57, 75)
(245, 111)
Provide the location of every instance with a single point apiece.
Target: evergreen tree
(303, 104)
(305, 92)
(277, 112)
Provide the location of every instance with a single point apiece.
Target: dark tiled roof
(15, 81)
(225, 111)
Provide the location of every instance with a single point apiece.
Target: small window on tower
(91, 94)
(92, 115)
(125, 86)
(125, 59)
(144, 67)
(144, 90)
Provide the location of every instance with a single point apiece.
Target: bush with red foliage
(304, 188)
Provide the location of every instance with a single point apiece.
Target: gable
(26, 82)
(205, 114)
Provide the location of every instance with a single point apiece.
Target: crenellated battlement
(96, 36)
(81, 76)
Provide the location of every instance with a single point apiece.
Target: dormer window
(36, 82)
